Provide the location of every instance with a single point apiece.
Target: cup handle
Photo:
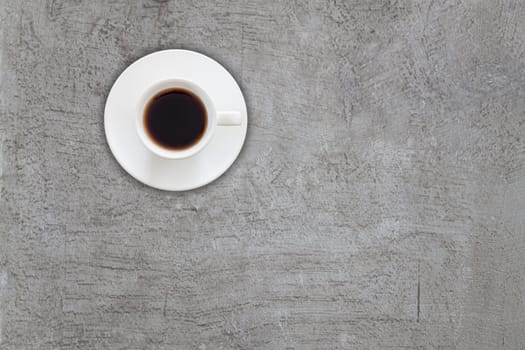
(229, 118)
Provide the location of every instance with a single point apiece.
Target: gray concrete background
(378, 202)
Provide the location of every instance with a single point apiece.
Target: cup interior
(153, 91)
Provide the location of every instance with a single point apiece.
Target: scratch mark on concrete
(165, 304)
(418, 293)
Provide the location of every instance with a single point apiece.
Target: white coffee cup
(215, 118)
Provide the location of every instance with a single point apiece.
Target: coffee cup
(176, 118)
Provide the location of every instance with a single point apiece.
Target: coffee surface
(175, 119)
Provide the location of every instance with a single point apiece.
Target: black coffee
(175, 119)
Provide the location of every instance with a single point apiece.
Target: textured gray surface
(378, 202)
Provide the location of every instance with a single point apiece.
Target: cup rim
(172, 83)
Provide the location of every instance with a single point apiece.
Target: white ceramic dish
(120, 120)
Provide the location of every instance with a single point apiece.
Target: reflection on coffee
(175, 119)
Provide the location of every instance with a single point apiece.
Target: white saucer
(169, 174)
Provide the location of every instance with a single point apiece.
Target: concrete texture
(378, 202)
